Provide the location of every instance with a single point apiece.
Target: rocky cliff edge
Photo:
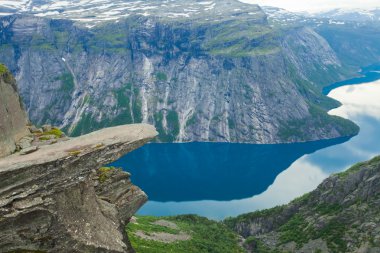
(57, 200)
(13, 119)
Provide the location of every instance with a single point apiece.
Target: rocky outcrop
(13, 119)
(56, 200)
(233, 78)
(341, 215)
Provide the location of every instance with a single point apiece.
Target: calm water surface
(218, 180)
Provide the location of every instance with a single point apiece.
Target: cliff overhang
(53, 201)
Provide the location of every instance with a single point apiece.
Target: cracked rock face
(53, 200)
(13, 119)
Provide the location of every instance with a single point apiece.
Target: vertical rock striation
(218, 74)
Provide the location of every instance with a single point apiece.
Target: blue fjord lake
(219, 180)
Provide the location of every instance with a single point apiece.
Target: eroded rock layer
(56, 200)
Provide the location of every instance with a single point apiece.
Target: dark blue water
(212, 171)
(367, 74)
(221, 179)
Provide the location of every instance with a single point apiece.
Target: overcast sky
(316, 5)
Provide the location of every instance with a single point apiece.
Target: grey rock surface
(53, 200)
(13, 119)
(220, 74)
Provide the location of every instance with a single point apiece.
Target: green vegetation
(241, 39)
(137, 106)
(258, 246)
(337, 222)
(206, 236)
(192, 120)
(160, 76)
(3, 69)
(146, 224)
(105, 172)
(104, 39)
(4, 72)
(373, 162)
(312, 91)
(232, 222)
(86, 124)
(333, 233)
(128, 108)
(231, 123)
(296, 230)
(61, 38)
(328, 209)
(344, 126)
(301, 200)
(172, 122)
(44, 138)
(54, 131)
(67, 80)
(237, 51)
(299, 129)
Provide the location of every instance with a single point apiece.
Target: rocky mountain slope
(355, 40)
(13, 119)
(341, 215)
(57, 197)
(209, 71)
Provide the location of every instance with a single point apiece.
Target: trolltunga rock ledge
(53, 200)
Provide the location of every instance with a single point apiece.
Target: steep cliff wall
(233, 78)
(13, 118)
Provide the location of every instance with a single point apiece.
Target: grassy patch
(3, 69)
(146, 224)
(54, 131)
(206, 236)
(241, 39)
(105, 172)
(232, 222)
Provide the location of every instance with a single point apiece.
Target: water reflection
(273, 174)
(212, 171)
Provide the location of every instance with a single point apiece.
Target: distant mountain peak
(94, 11)
(351, 14)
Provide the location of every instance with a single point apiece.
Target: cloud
(316, 5)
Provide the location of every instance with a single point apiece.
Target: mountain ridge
(232, 80)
